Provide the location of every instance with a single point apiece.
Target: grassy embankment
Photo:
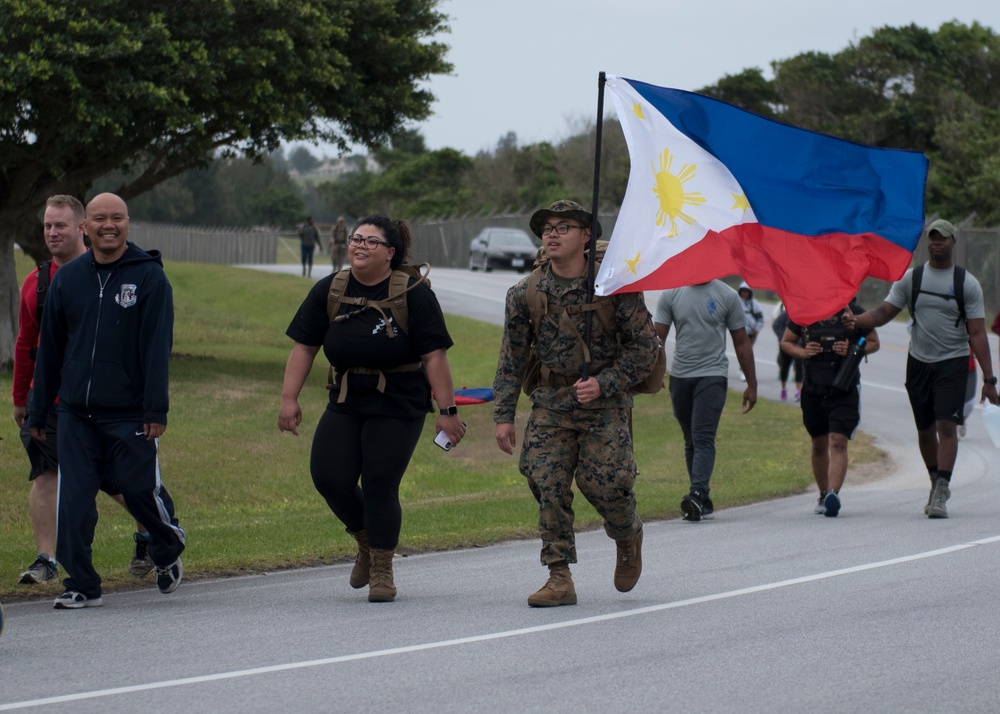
(243, 490)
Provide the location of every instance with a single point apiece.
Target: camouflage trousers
(592, 446)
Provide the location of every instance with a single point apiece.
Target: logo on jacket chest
(126, 296)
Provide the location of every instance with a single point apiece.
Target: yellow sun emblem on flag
(669, 191)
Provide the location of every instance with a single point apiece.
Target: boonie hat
(562, 209)
(943, 227)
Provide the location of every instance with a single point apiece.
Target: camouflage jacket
(617, 361)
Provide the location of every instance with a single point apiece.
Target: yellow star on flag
(740, 201)
(632, 263)
(637, 110)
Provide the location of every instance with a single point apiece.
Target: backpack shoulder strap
(398, 283)
(538, 302)
(917, 279)
(958, 283)
(44, 269)
(336, 294)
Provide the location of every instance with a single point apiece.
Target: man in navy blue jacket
(104, 351)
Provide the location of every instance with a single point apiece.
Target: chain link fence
(444, 242)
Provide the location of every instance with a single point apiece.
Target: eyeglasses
(562, 229)
(369, 242)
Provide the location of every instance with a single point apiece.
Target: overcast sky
(531, 66)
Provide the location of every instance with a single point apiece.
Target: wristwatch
(990, 380)
(453, 410)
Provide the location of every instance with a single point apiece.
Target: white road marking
(495, 635)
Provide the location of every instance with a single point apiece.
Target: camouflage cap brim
(562, 209)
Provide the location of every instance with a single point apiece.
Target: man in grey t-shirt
(937, 364)
(699, 375)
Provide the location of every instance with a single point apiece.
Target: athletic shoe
(832, 504)
(72, 600)
(707, 509)
(141, 564)
(693, 506)
(168, 578)
(820, 508)
(798, 396)
(41, 571)
(784, 395)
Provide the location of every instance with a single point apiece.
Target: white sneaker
(72, 600)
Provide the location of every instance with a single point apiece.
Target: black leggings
(375, 450)
(785, 363)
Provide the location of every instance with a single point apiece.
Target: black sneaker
(832, 503)
(168, 578)
(141, 564)
(707, 509)
(41, 571)
(693, 506)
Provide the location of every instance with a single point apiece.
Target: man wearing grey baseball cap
(947, 318)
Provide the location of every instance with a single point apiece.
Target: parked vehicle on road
(509, 248)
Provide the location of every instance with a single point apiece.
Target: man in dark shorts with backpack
(948, 317)
(579, 428)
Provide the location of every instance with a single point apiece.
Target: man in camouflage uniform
(577, 428)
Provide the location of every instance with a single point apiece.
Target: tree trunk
(28, 234)
(9, 298)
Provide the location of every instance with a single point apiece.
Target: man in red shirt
(64, 230)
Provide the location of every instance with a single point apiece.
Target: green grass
(242, 488)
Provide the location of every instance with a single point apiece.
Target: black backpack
(958, 282)
(43, 289)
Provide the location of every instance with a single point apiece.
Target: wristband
(990, 380)
(449, 411)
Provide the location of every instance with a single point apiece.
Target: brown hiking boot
(380, 587)
(361, 572)
(558, 589)
(628, 568)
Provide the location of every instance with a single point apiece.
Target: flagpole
(592, 254)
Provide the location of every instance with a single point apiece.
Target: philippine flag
(715, 191)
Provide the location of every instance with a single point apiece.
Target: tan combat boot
(381, 588)
(558, 589)
(360, 574)
(940, 494)
(628, 567)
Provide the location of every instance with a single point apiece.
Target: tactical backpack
(536, 374)
(43, 288)
(958, 284)
(395, 303)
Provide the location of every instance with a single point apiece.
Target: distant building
(333, 169)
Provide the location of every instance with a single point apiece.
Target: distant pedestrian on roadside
(338, 243)
(579, 428)
(948, 317)
(106, 336)
(63, 223)
(383, 372)
(786, 363)
(754, 317)
(830, 415)
(699, 375)
(309, 238)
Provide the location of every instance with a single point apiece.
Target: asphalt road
(766, 608)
